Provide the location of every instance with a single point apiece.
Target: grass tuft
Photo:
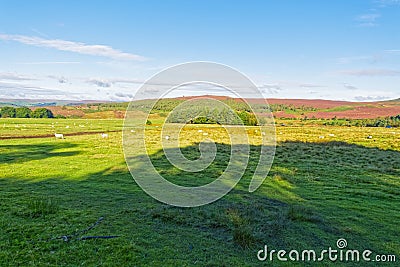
(41, 207)
(242, 231)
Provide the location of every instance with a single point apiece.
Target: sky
(104, 50)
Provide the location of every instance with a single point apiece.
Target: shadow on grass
(315, 194)
(25, 153)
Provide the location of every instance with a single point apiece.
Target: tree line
(24, 112)
(391, 121)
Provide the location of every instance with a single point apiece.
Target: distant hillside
(281, 108)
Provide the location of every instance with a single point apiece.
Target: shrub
(59, 116)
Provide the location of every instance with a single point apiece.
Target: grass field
(326, 183)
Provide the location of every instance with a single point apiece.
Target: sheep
(104, 135)
(200, 131)
(369, 136)
(167, 137)
(331, 135)
(321, 137)
(59, 136)
(67, 126)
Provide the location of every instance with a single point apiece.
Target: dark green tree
(7, 112)
(23, 112)
(42, 113)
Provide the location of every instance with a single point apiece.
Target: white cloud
(100, 83)
(393, 51)
(385, 3)
(349, 86)
(310, 85)
(371, 72)
(49, 63)
(124, 95)
(372, 98)
(270, 88)
(14, 77)
(369, 59)
(367, 20)
(77, 47)
(368, 17)
(60, 79)
(10, 90)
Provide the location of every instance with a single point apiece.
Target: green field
(326, 183)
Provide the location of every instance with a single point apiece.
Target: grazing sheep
(104, 135)
(200, 131)
(67, 126)
(331, 135)
(59, 136)
(167, 137)
(321, 137)
(369, 137)
(205, 133)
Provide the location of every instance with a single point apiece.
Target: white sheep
(369, 136)
(104, 135)
(167, 137)
(59, 136)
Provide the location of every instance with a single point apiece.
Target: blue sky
(342, 49)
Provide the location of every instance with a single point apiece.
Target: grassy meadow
(326, 183)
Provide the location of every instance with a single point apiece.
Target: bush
(42, 113)
(248, 119)
(59, 116)
(204, 120)
(23, 112)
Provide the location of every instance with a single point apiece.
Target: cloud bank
(77, 47)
